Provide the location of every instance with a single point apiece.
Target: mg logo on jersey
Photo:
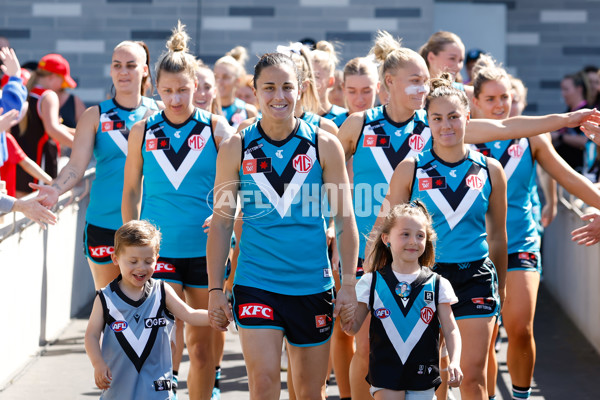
(474, 182)
(416, 143)
(382, 313)
(196, 142)
(426, 315)
(302, 163)
(253, 310)
(119, 326)
(515, 151)
(101, 251)
(162, 266)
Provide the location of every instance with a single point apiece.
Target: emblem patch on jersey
(119, 326)
(438, 182)
(162, 385)
(486, 151)
(426, 315)
(327, 273)
(255, 310)
(474, 182)
(382, 313)
(113, 125)
(257, 165)
(515, 151)
(152, 322)
(376, 141)
(416, 143)
(158, 144)
(302, 163)
(428, 296)
(196, 142)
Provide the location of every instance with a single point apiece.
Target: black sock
(346, 398)
(217, 375)
(174, 381)
(521, 392)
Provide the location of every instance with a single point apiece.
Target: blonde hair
(325, 56)
(235, 58)
(442, 88)
(310, 97)
(177, 59)
(137, 233)
(486, 69)
(360, 66)
(437, 42)
(380, 254)
(390, 53)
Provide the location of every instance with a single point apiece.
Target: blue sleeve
(14, 95)
(6, 203)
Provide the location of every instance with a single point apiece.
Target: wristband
(215, 288)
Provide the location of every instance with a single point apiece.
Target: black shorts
(188, 272)
(98, 243)
(476, 286)
(305, 320)
(524, 261)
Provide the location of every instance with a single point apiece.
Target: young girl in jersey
(228, 72)
(324, 60)
(135, 312)
(492, 96)
(103, 132)
(406, 300)
(278, 290)
(41, 132)
(174, 154)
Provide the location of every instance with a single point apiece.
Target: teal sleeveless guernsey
(381, 146)
(457, 197)
(179, 176)
(283, 248)
(110, 151)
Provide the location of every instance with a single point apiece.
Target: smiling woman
(277, 290)
(174, 153)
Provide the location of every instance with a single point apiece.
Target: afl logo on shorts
(119, 326)
(474, 182)
(196, 142)
(382, 313)
(426, 315)
(302, 163)
(515, 151)
(416, 143)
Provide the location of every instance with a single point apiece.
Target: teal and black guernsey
(236, 112)
(136, 343)
(457, 197)
(381, 146)
(334, 111)
(110, 152)
(404, 332)
(179, 177)
(520, 169)
(283, 248)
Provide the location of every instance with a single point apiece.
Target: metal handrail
(74, 195)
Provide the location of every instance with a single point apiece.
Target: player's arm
(49, 111)
(496, 223)
(349, 133)
(336, 177)
(132, 184)
(102, 374)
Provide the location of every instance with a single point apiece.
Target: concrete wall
(46, 281)
(572, 273)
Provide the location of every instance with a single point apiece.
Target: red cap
(56, 64)
(24, 75)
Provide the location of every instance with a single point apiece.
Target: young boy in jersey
(136, 316)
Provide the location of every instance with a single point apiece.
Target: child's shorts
(412, 394)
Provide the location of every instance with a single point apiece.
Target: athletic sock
(217, 376)
(519, 393)
(493, 397)
(346, 398)
(174, 382)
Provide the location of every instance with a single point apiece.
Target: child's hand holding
(102, 376)
(455, 375)
(347, 316)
